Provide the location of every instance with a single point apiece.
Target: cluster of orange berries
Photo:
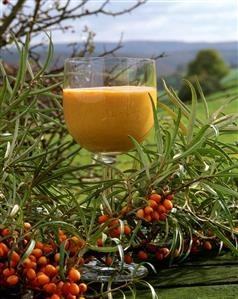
(115, 229)
(157, 208)
(39, 270)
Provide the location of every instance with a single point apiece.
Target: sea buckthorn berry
(42, 279)
(161, 209)
(128, 259)
(1, 252)
(167, 204)
(42, 261)
(148, 218)
(12, 280)
(114, 222)
(57, 257)
(155, 216)
(37, 252)
(125, 210)
(165, 251)
(8, 272)
(55, 296)
(65, 288)
(4, 247)
(194, 249)
(142, 255)
(39, 245)
(27, 225)
(6, 232)
(100, 242)
(127, 230)
(148, 210)
(70, 296)
(207, 245)
(140, 214)
(81, 297)
(83, 287)
(159, 256)
(31, 274)
(152, 203)
(74, 289)
(156, 197)
(50, 270)
(74, 274)
(47, 248)
(15, 257)
(32, 258)
(27, 263)
(108, 261)
(50, 288)
(103, 219)
(170, 197)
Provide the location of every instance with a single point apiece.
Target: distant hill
(178, 54)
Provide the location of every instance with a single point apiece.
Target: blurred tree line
(209, 68)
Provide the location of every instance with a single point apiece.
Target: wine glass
(106, 101)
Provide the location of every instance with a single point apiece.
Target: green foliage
(209, 67)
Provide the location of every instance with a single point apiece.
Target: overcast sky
(182, 20)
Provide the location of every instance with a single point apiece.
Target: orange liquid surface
(100, 119)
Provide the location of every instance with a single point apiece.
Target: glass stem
(108, 175)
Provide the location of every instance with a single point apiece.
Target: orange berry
(103, 218)
(8, 272)
(70, 296)
(127, 230)
(114, 222)
(27, 263)
(142, 255)
(42, 261)
(148, 210)
(65, 288)
(55, 296)
(57, 257)
(83, 287)
(165, 251)
(148, 218)
(37, 252)
(74, 274)
(12, 280)
(4, 247)
(50, 288)
(159, 256)
(125, 210)
(74, 289)
(39, 245)
(155, 216)
(27, 225)
(140, 214)
(163, 216)
(47, 248)
(32, 258)
(167, 204)
(100, 242)
(207, 245)
(31, 274)
(81, 297)
(6, 232)
(156, 197)
(42, 279)
(152, 203)
(128, 259)
(15, 257)
(170, 197)
(108, 261)
(50, 270)
(1, 252)
(161, 209)
(60, 285)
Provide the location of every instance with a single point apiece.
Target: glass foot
(118, 273)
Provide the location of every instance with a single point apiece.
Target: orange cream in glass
(101, 119)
